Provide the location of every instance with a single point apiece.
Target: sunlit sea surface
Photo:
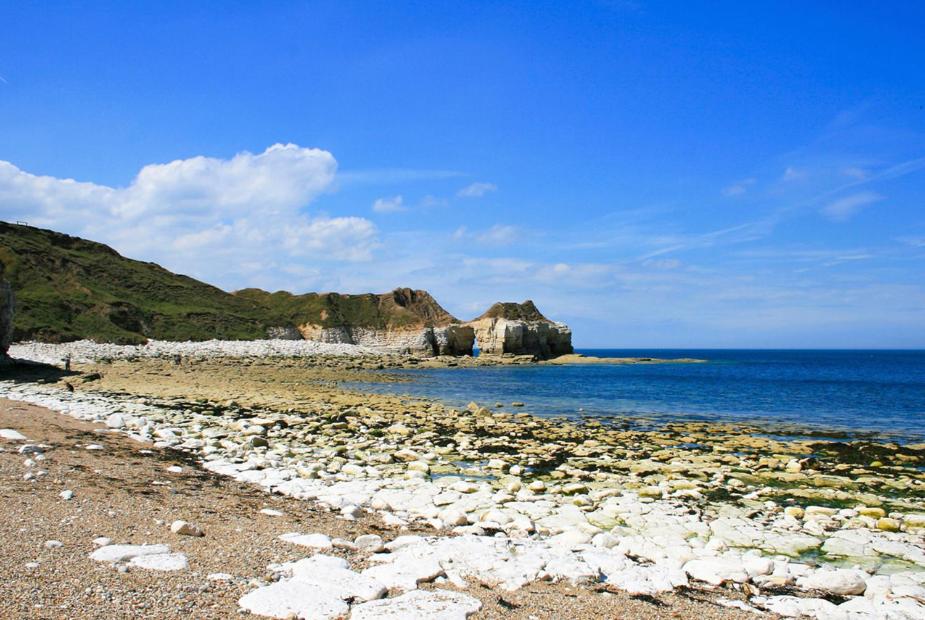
(842, 394)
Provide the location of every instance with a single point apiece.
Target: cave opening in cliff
(475, 347)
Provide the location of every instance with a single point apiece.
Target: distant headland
(68, 288)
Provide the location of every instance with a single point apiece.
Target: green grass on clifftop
(69, 288)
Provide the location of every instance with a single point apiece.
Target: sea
(837, 394)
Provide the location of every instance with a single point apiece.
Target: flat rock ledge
(149, 557)
(321, 587)
(509, 537)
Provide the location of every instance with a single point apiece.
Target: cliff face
(520, 329)
(402, 321)
(423, 341)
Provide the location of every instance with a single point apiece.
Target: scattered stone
(53, 544)
(270, 512)
(66, 495)
(887, 524)
(185, 528)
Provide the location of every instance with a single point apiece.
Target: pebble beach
(411, 508)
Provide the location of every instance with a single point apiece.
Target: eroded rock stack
(520, 329)
(403, 321)
(6, 313)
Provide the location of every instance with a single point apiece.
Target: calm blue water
(872, 391)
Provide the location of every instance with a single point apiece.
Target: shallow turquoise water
(862, 392)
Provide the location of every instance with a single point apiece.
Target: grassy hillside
(69, 288)
(402, 307)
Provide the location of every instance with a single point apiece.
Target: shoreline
(130, 492)
(686, 513)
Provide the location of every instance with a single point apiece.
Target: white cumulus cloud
(218, 219)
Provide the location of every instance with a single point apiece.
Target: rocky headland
(520, 329)
(402, 321)
(73, 289)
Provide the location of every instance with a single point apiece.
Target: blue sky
(726, 174)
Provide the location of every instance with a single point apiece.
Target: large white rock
(12, 435)
(160, 561)
(313, 541)
(844, 582)
(647, 580)
(334, 577)
(122, 553)
(716, 571)
(795, 607)
(184, 528)
(405, 573)
(285, 599)
(570, 567)
(419, 605)
(371, 543)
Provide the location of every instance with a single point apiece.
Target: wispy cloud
(739, 187)
(498, 235)
(476, 190)
(792, 174)
(915, 242)
(387, 176)
(856, 172)
(433, 202)
(845, 208)
(389, 205)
